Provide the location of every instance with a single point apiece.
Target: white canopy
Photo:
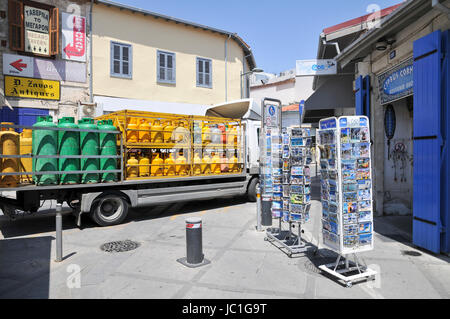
(240, 109)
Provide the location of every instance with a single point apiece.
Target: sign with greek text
(73, 37)
(32, 88)
(36, 23)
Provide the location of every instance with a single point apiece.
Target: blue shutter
(445, 195)
(359, 96)
(21, 115)
(367, 96)
(427, 142)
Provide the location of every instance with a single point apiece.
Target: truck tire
(251, 190)
(109, 210)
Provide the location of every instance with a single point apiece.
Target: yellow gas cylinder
(169, 166)
(197, 164)
(181, 165)
(144, 132)
(9, 144)
(181, 133)
(206, 164)
(232, 136)
(234, 167)
(168, 129)
(224, 167)
(144, 166)
(157, 166)
(26, 142)
(157, 134)
(132, 136)
(206, 134)
(132, 170)
(215, 166)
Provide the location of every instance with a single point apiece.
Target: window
(21, 31)
(121, 60)
(204, 71)
(166, 67)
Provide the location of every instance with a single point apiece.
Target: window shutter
(54, 31)
(15, 17)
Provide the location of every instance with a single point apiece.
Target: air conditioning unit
(87, 110)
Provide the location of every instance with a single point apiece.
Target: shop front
(402, 85)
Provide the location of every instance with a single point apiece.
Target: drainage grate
(411, 253)
(119, 246)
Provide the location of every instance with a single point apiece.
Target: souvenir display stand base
(348, 271)
(287, 241)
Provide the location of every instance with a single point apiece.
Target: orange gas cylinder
(132, 169)
(157, 166)
(144, 132)
(197, 164)
(132, 136)
(9, 145)
(168, 129)
(206, 164)
(144, 167)
(26, 142)
(181, 165)
(223, 129)
(224, 167)
(215, 166)
(169, 166)
(157, 134)
(234, 167)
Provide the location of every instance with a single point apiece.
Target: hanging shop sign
(316, 67)
(36, 24)
(73, 37)
(397, 83)
(272, 116)
(32, 88)
(19, 65)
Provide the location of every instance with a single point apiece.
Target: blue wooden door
(445, 177)
(427, 142)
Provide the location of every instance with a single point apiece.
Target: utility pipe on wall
(226, 67)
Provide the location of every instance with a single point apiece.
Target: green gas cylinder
(45, 142)
(69, 144)
(108, 146)
(89, 144)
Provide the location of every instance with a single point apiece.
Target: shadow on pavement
(25, 267)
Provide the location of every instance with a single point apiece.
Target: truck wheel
(251, 191)
(109, 210)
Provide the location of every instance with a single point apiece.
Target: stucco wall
(71, 92)
(147, 35)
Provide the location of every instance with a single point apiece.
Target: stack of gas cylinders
(36, 146)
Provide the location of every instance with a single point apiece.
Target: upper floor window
(33, 27)
(204, 73)
(166, 67)
(121, 60)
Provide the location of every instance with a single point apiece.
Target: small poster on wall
(36, 23)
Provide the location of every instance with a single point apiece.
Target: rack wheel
(349, 284)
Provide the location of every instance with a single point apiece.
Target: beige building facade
(146, 61)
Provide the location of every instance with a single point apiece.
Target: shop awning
(336, 92)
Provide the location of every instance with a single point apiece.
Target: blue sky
(279, 32)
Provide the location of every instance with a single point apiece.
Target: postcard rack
(346, 194)
(291, 198)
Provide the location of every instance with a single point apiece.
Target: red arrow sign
(77, 48)
(18, 65)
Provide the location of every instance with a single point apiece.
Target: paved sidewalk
(243, 265)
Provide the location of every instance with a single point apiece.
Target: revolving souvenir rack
(346, 194)
(291, 199)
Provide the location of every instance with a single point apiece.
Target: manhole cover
(411, 253)
(119, 246)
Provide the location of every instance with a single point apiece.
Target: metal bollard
(59, 247)
(194, 244)
(258, 209)
(266, 207)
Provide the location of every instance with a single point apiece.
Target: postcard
(332, 163)
(297, 189)
(348, 164)
(346, 151)
(348, 175)
(364, 194)
(365, 216)
(355, 135)
(350, 187)
(277, 205)
(329, 237)
(297, 170)
(365, 239)
(365, 205)
(350, 207)
(345, 135)
(324, 164)
(350, 197)
(363, 163)
(296, 217)
(351, 229)
(364, 150)
(297, 199)
(364, 135)
(350, 219)
(350, 241)
(326, 225)
(334, 227)
(277, 214)
(296, 208)
(365, 227)
(363, 174)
